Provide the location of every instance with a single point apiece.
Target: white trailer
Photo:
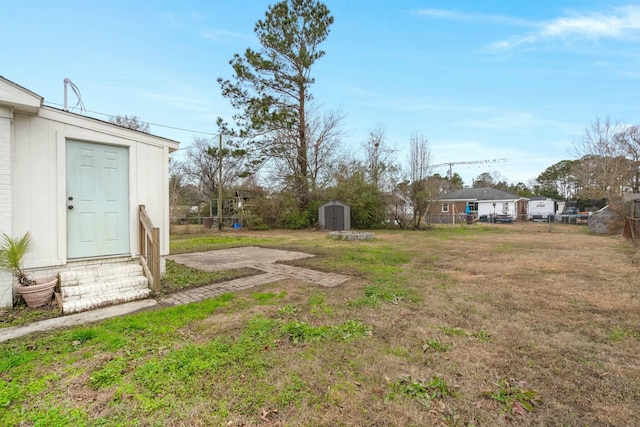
(541, 208)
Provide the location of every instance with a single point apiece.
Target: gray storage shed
(334, 215)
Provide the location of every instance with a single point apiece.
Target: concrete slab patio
(261, 259)
(228, 259)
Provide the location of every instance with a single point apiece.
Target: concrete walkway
(260, 259)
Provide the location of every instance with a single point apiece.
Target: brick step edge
(71, 293)
(82, 277)
(105, 300)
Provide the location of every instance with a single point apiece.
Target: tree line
(287, 152)
(606, 164)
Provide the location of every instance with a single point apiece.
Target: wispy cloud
(620, 24)
(455, 15)
(219, 35)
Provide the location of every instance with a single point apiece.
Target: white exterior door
(97, 199)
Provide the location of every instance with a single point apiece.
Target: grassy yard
(517, 324)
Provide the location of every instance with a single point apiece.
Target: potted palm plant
(36, 293)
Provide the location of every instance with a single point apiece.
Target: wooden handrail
(149, 241)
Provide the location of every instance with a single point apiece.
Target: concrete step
(102, 285)
(101, 274)
(97, 289)
(105, 300)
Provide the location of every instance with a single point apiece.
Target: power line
(149, 123)
(472, 162)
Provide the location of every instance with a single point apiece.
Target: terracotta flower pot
(39, 294)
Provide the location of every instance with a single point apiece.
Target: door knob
(70, 207)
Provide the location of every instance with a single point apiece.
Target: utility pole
(220, 183)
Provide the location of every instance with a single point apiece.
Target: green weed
(294, 392)
(619, 333)
(436, 345)
(482, 336)
(56, 416)
(452, 331)
(375, 295)
(267, 298)
(109, 375)
(423, 392)
(514, 397)
(301, 333)
(287, 311)
(14, 357)
(83, 335)
(9, 393)
(317, 301)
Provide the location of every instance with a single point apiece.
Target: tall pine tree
(271, 87)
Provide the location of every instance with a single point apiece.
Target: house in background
(399, 208)
(478, 202)
(77, 184)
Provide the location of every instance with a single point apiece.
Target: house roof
(479, 194)
(53, 112)
(20, 98)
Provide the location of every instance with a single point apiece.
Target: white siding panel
(35, 189)
(152, 188)
(6, 281)
(5, 175)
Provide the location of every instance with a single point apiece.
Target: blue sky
(480, 80)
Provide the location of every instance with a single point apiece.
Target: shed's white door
(97, 200)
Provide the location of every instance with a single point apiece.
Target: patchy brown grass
(515, 307)
(560, 307)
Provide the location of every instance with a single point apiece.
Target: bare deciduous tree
(131, 122)
(629, 139)
(201, 167)
(324, 135)
(380, 160)
(419, 191)
(175, 186)
(603, 165)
